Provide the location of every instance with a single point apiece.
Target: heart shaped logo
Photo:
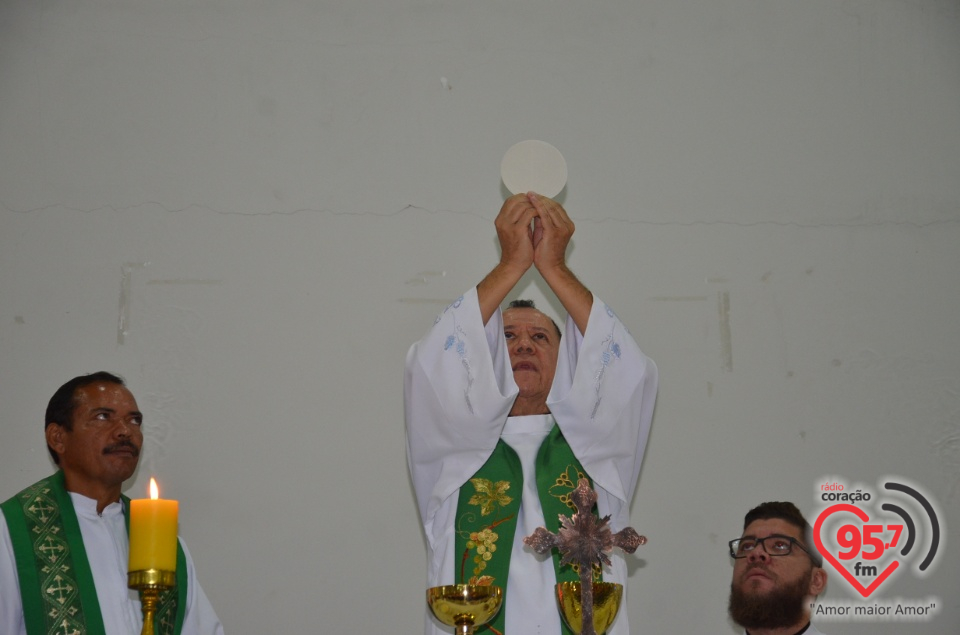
(854, 538)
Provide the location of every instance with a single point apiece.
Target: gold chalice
(606, 603)
(464, 606)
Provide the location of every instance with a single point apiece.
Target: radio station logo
(871, 537)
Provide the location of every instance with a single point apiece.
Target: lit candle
(153, 532)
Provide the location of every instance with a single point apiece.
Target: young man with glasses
(776, 570)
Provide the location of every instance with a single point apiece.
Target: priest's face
(771, 592)
(101, 446)
(533, 343)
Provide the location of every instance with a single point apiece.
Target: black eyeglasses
(778, 545)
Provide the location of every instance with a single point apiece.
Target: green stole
(488, 532)
(56, 585)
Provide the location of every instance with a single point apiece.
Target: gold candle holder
(606, 604)
(464, 606)
(150, 583)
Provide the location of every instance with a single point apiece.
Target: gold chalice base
(464, 606)
(606, 603)
(150, 582)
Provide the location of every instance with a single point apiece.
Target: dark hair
(61, 405)
(787, 512)
(528, 304)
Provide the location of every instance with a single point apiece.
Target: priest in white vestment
(482, 379)
(63, 540)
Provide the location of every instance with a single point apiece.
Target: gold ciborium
(606, 604)
(150, 583)
(464, 606)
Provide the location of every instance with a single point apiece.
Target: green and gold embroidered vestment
(57, 590)
(487, 514)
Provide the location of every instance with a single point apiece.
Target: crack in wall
(411, 207)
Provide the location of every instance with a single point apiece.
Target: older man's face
(102, 446)
(534, 345)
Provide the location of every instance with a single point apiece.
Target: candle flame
(154, 490)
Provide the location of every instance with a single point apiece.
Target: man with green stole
(63, 540)
(502, 421)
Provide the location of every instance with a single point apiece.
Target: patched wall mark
(680, 298)
(437, 301)
(726, 345)
(123, 322)
(423, 277)
(185, 281)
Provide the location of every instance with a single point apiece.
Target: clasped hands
(533, 230)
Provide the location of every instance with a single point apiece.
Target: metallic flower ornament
(585, 541)
(490, 495)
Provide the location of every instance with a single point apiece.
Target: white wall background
(251, 209)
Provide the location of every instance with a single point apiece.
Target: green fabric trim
(554, 484)
(488, 532)
(56, 584)
(182, 584)
(78, 555)
(30, 595)
(54, 574)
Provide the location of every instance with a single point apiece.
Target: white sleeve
(200, 618)
(458, 391)
(603, 397)
(11, 607)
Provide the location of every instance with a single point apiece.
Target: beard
(779, 608)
